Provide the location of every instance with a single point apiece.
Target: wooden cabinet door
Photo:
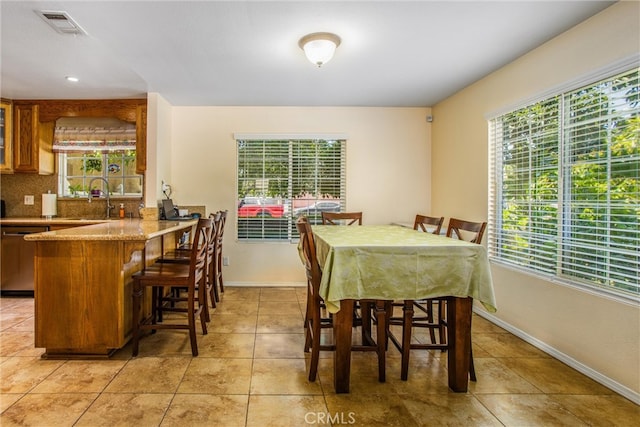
(25, 138)
(6, 141)
(141, 139)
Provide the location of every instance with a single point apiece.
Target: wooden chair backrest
(197, 266)
(223, 222)
(337, 218)
(422, 221)
(307, 242)
(458, 225)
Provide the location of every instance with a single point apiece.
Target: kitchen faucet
(106, 183)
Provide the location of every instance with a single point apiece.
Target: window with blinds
(281, 179)
(565, 186)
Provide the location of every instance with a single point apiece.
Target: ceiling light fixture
(319, 47)
(72, 79)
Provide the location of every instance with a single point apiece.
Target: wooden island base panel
(83, 286)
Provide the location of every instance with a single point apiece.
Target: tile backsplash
(14, 187)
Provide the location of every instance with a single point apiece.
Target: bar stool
(219, 282)
(182, 255)
(162, 276)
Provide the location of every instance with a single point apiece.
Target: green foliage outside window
(568, 185)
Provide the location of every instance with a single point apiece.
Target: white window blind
(565, 186)
(280, 179)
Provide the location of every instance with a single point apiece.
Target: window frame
(125, 156)
(327, 161)
(497, 200)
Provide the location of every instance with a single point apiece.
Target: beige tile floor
(251, 371)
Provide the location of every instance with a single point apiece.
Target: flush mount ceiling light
(319, 47)
(72, 79)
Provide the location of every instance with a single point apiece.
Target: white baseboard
(265, 285)
(591, 373)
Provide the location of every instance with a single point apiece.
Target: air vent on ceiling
(61, 22)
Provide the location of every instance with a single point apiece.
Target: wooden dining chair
(161, 277)
(433, 309)
(361, 317)
(314, 322)
(339, 218)
(428, 224)
(473, 231)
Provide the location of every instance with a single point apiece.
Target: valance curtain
(95, 134)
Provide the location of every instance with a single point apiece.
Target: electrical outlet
(165, 186)
(28, 200)
(225, 260)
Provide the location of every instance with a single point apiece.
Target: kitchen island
(83, 285)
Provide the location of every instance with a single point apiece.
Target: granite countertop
(129, 229)
(50, 221)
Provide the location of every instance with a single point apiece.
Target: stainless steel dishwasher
(17, 259)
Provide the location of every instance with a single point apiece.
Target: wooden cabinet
(33, 124)
(141, 139)
(6, 140)
(32, 142)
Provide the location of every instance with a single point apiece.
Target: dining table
(391, 262)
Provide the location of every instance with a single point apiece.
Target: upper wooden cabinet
(34, 124)
(32, 143)
(141, 139)
(6, 126)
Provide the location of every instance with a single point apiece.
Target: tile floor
(252, 372)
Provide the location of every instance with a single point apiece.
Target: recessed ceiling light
(72, 79)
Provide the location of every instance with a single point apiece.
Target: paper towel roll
(49, 206)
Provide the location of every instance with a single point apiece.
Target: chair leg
(407, 323)
(205, 304)
(432, 333)
(381, 333)
(192, 322)
(441, 321)
(307, 329)
(365, 319)
(314, 328)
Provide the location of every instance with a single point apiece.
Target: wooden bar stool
(219, 282)
(162, 276)
(182, 255)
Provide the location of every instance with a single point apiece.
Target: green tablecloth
(394, 263)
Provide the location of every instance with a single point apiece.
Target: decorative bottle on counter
(121, 210)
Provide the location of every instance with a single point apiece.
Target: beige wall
(388, 170)
(599, 335)
(159, 121)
